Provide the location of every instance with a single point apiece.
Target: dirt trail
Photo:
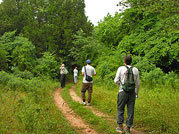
(76, 98)
(74, 120)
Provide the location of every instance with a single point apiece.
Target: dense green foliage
(49, 25)
(37, 36)
(18, 55)
(148, 30)
(18, 52)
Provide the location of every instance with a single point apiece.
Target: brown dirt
(75, 121)
(76, 98)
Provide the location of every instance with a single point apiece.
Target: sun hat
(88, 61)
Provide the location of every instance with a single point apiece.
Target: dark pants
(89, 87)
(124, 98)
(62, 80)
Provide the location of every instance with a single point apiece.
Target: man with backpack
(128, 79)
(87, 72)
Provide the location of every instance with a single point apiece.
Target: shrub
(16, 83)
(46, 66)
(157, 77)
(22, 74)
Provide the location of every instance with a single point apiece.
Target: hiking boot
(120, 129)
(128, 130)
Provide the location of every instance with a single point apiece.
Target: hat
(88, 61)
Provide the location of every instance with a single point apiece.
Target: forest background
(36, 36)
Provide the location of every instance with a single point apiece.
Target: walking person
(128, 79)
(63, 72)
(75, 71)
(87, 72)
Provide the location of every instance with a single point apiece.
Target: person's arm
(137, 83)
(94, 73)
(82, 71)
(117, 77)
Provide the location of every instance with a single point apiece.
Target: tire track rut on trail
(75, 121)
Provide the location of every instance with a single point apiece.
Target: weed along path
(69, 114)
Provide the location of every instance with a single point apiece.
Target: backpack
(129, 84)
(65, 71)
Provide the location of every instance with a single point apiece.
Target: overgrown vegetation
(28, 107)
(37, 36)
(156, 110)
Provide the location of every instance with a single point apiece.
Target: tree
(17, 51)
(49, 25)
(84, 48)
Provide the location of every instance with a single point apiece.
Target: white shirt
(90, 71)
(121, 76)
(62, 70)
(75, 72)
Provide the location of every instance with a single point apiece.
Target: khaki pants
(89, 87)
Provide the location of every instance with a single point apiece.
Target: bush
(157, 77)
(24, 75)
(47, 66)
(12, 82)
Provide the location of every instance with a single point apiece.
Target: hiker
(87, 72)
(75, 71)
(126, 96)
(63, 72)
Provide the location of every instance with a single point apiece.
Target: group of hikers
(127, 77)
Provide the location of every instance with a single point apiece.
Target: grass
(23, 112)
(32, 112)
(156, 110)
(100, 124)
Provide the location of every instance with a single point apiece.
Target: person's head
(127, 59)
(88, 61)
(63, 65)
(76, 67)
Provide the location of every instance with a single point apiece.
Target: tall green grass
(26, 106)
(156, 109)
(27, 112)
